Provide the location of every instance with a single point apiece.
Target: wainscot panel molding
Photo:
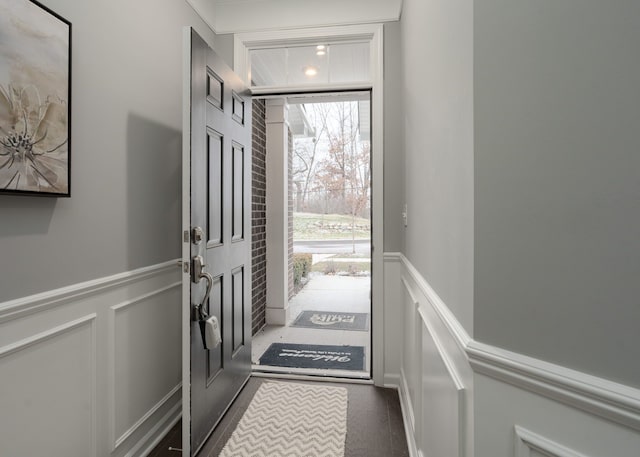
(435, 376)
(444, 313)
(93, 369)
(433, 345)
(37, 395)
(392, 318)
(529, 444)
(613, 401)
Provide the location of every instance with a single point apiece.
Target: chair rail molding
(608, 399)
(20, 307)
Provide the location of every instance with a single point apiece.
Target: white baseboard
(391, 381)
(157, 434)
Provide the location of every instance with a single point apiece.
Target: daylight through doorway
(328, 325)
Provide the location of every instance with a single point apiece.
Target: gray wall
(393, 140)
(437, 84)
(124, 212)
(224, 47)
(557, 180)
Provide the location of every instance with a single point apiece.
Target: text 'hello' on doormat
(332, 320)
(314, 356)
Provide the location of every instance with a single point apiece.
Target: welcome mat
(314, 356)
(332, 321)
(292, 420)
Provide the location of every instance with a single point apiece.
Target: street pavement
(332, 246)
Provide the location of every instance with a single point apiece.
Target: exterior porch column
(277, 211)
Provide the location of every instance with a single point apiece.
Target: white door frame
(186, 240)
(372, 33)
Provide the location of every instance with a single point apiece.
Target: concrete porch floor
(322, 293)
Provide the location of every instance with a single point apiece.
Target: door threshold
(261, 371)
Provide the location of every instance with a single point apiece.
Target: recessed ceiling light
(320, 52)
(310, 71)
(321, 47)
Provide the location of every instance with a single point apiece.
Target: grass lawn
(329, 267)
(312, 226)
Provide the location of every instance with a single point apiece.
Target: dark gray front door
(220, 235)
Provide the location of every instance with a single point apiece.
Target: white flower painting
(34, 99)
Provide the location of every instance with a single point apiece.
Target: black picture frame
(35, 100)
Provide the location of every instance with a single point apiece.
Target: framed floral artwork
(35, 100)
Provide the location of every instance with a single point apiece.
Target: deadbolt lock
(197, 235)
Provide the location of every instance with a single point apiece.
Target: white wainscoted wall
(529, 408)
(93, 369)
(464, 398)
(434, 376)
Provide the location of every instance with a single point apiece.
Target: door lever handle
(198, 274)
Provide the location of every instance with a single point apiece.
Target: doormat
(287, 419)
(332, 321)
(314, 356)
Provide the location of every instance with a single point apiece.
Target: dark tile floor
(374, 424)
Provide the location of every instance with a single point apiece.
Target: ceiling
(234, 16)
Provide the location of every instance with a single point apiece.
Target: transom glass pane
(318, 64)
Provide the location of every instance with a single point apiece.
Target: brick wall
(258, 218)
(290, 212)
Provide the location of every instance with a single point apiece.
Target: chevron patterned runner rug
(291, 420)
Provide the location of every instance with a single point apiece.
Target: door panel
(214, 359)
(238, 307)
(220, 175)
(216, 142)
(238, 192)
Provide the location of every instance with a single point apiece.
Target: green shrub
(301, 267)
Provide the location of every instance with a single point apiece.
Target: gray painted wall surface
(437, 53)
(393, 140)
(124, 212)
(224, 47)
(557, 176)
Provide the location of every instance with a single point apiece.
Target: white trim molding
(605, 398)
(117, 442)
(372, 33)
(408, 419)
(46, 335)
(167, 399)
(446, 316)
(52, 326)
(463, 356)
(21, 307)
(435, 377)
(613, 401)
(232, 16)
(41, 338)
(527, 441)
